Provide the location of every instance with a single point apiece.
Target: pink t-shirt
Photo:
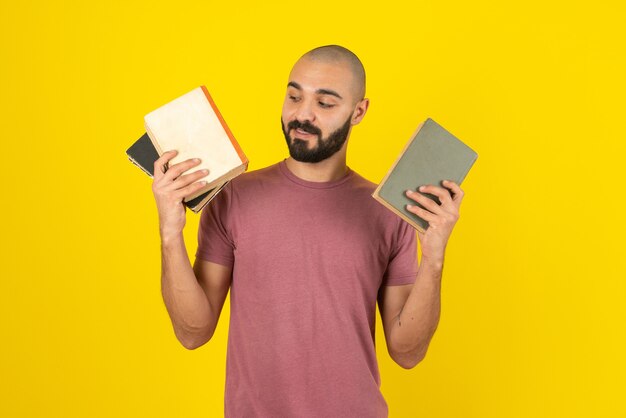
(308, 260)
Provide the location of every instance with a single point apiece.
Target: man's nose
(304, 111)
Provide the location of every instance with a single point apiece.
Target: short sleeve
(215, 241)
(402, 267)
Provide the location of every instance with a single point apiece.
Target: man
(306, 253)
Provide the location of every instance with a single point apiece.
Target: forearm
(415, 325)
(185, 300)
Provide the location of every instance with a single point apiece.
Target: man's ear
(360, 110)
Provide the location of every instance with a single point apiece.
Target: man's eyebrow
(294, 85)
(329, 92)
(318, 91)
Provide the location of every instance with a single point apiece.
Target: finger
(441, 193)
(177, 169)
(186, 179)
(457, 192)
(188, 190)
(425, 201)
(422, 213)
(160, 165)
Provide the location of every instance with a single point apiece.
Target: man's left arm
(410, 313)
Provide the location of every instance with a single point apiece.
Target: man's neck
(330, 169)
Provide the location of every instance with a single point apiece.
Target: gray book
(431, 156)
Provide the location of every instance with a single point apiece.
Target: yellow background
(533, 294)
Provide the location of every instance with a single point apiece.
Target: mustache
(306, 127)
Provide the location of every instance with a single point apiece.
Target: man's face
(318, 110)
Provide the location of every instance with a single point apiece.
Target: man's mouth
(304, 134)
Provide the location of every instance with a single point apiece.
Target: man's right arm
(194, 297)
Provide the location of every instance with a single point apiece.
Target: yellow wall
(533, 296)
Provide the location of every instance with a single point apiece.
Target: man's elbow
(408, 364)
(192, 344)
(193, 341)
(409, 360)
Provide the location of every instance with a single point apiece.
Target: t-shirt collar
(313, 184)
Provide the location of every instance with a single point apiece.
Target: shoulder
(249, 187)
(252, 181)
(361, 184)
(363, 190)
(252, 178)
(246, 187)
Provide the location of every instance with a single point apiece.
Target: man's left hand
(441, 218)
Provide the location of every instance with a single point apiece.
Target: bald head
(335, 54)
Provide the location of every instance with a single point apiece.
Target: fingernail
(409, 192)
(409, 206)
(196, 160)
(421, 187)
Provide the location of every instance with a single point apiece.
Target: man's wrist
(431, 261)
(171, 239)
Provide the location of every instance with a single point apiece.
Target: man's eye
(294, 98)
(326, 105)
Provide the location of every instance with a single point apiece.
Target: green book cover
(432, 155)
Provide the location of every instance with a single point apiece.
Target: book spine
(233, 141)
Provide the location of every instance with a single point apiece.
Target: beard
(325, 147)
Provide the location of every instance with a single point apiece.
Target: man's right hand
(170, 187)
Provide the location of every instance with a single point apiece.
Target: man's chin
(306, 159)
(309, 144)
(299, 151)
